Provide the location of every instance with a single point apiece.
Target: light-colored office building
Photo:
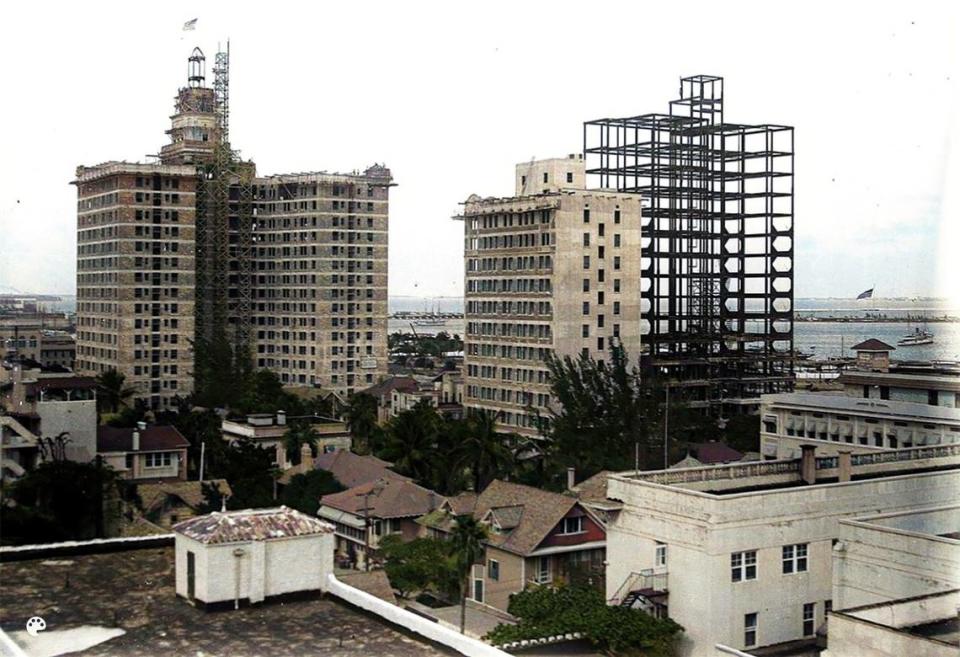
(741, 554)
(834, 422)
(554, 270)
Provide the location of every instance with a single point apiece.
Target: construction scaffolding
(717, 289)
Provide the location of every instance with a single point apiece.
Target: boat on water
(429, 322)
(916, 338)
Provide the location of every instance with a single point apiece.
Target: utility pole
(203, 449)
(666, 429)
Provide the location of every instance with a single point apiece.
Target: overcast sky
(450, 96)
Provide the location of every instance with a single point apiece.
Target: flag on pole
(866, 294)
(190, 25)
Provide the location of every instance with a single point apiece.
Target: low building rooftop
(754, 476)
(134, 591)
(857, 405)
(251, 525)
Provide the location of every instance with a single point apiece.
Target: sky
(450, 96)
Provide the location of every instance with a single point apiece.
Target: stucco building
(742, 554)
(554, 269)
(144, 452)
(246, 557)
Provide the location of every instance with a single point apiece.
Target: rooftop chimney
(142, 426)
(136, 438)
(281, 417)
(571, 478)
(306, 456)
(808, 464)
(844, 466)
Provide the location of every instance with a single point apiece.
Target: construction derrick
(717, 242)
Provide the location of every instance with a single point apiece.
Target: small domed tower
(194, 128)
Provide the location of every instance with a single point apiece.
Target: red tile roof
(152, 439)
(251, 525)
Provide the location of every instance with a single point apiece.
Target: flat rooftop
(134, 590)
(859, 405)
(753, 476)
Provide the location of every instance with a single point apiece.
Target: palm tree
(466, 540)
(111, 391)
(295, 437)
(411, 442)
(484, 450)
(362, 420)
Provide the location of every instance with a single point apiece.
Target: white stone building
(834, 422)
(240, 557)
(741, 554)
(553, 270)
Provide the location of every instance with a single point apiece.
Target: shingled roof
(541, 512)
(251, 525)
(152, 439)
(353, 469)
(190, 492)
(389, 497)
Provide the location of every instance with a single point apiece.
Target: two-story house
(535, 537)
(144, 453)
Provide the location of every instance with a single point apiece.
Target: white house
(245, 557)
(741, 554)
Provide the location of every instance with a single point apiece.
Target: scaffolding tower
(717, 244)
(225, 227)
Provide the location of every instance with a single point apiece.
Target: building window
(743, 566)
(794, 558)
(616, 216)
(543, 570)
(493, 570)
(572, 525)
(750, 629)
(569, 177)
(546, 177)
(157, 459)
(586, 330)
(586, 262)
(809, 614)
(586, 285)
(660, 555)
(586, 215)
(586, 307)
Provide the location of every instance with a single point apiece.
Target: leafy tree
(607, 412)
(249, 470)
(304, 491)
(466, 539)
(742, 432)
(59, 500)
(484, 451)
(213, 498)
(111, 391)
(362, 421)
(549, 611)
(296, 436)
(129, 415)
(423, 564)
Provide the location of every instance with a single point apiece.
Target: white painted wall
(266, 568)
(78, 418)
(702, 530)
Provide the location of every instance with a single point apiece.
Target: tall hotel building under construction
(195, 247)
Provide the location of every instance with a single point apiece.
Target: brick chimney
(808, 463)
(136, 439)
(571, 478)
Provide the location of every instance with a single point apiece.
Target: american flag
(866, 294)
(190, 25)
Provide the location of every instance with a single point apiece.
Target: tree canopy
(549, 611)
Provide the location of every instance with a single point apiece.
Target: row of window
(743, 565)
(808, 622)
